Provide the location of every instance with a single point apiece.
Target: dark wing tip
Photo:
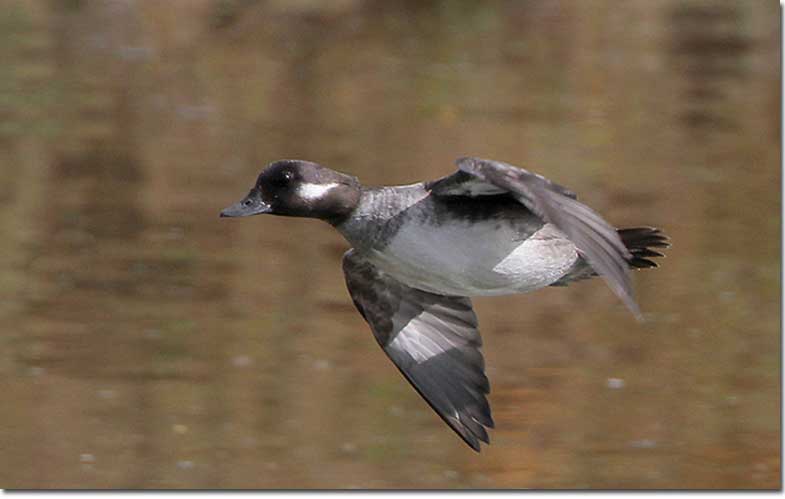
(472, 442)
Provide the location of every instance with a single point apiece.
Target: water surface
(148, 344)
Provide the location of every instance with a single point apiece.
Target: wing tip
(472, 430)
(633, 307)
(473, 440)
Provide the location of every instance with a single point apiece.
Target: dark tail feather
(640, 241)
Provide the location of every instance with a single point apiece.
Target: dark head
(297, 188)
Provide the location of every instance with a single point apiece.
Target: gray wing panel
(432, 339)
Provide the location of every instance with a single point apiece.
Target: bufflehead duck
(420, 251)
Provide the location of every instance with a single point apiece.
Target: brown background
(146, 343)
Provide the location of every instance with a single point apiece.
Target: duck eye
(284, 178)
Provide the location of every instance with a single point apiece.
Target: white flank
(314, 191)
(476, 259)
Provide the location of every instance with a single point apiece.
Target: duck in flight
(420, 251)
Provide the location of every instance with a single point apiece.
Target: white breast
(477, 259)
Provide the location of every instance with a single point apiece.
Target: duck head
(296, 188)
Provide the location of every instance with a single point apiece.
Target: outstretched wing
(595, 238)
(432, 339)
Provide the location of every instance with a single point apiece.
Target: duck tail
(640, 241)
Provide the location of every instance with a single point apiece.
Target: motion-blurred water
(146, 343)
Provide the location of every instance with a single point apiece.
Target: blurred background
(148, 344)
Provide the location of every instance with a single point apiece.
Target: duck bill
(252, 204)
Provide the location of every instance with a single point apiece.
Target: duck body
(420, 251)
(456, 245)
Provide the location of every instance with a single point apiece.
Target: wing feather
(432, 339)
(595, 238)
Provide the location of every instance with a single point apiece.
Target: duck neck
(378, 209)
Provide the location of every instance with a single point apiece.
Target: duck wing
(595, 238)
(432, 339)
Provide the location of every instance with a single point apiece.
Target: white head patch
(314, 191)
